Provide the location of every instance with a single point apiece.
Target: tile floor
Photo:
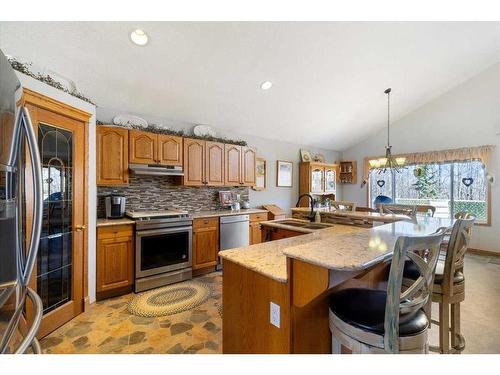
(109, 328)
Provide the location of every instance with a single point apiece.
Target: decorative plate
(319, 158)
(129, 120)
(203, 131)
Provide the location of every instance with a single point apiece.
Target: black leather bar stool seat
(411, 272)
(365, 309)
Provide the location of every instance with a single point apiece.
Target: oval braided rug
(169, 300)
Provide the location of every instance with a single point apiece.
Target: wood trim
(486, 253)
(42, 101)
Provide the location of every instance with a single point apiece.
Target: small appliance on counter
(245, 204)
(115, 206)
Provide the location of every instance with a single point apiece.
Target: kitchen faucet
(311, 215)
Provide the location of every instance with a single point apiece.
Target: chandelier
(388, 161)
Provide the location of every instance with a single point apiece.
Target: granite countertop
(362, 249)
(368, 216)
(280, 224)
(217, 213)
(194, 215)
(268, 258)
(110, 222)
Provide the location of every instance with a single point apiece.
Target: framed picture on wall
(260, 174)
(284, 173)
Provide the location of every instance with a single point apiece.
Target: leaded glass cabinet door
(317, 180)
(59, 270)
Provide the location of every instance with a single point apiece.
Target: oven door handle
(163, 231)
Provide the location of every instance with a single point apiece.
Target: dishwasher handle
(234, 219)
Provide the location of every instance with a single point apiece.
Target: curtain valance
(481, 153)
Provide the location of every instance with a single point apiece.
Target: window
(450, 187)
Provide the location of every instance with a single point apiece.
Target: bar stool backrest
(424, 252)
(457, 246)
(398, 209)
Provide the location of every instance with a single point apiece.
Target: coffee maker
(115, 206)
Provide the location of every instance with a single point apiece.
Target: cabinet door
(169, 150)
(317, 179)
(205, 247)
(214, 163)
(142, 147)
(255, 234)
(115, 267)
(194, 162)
(330, 180)
(248, 166)
(233, 170)
(112, 156)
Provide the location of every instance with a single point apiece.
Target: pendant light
(388, 161)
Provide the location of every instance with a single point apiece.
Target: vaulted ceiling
(328, 78)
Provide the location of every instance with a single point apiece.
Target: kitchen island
(295, 276)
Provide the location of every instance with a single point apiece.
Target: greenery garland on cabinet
(157, 129)
(45, 78)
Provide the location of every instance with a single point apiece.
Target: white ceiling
(328, 78)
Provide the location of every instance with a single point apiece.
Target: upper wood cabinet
(142, 147)
(240, 165)
(194, 162)
(112, 156)
(169, 150)
(248, 166)
(214, 163)
(233, 160)
(149, 148)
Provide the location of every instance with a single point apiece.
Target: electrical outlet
(275, 314)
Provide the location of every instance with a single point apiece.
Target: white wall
(268, 149)
(468, 115)
(61, 96)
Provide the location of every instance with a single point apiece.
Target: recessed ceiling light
(139, 37)
(266, 85)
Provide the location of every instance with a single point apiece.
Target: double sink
(303, 224)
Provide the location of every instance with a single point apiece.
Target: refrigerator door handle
(36, 172)
(30, 339)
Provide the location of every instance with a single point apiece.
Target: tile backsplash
(164, 192)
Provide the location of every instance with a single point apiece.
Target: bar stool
(391, 321)
(449, 285)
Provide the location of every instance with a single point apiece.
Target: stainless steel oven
(163, 251)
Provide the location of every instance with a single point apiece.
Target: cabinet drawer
(115, 231)
(206, 222)
(258, 217)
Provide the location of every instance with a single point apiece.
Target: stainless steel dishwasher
(234, 232)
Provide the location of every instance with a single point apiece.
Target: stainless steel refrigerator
(18, 249)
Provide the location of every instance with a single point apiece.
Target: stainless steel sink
(293, 223)
(304, 224)
(316, 226)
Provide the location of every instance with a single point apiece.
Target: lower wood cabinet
(115, 260)
(205, 242)
(255, 230)
(274, 234)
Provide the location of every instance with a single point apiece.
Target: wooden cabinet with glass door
(111, 156)
(317, 179)
(59, 270)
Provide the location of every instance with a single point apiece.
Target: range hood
(156, 170)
